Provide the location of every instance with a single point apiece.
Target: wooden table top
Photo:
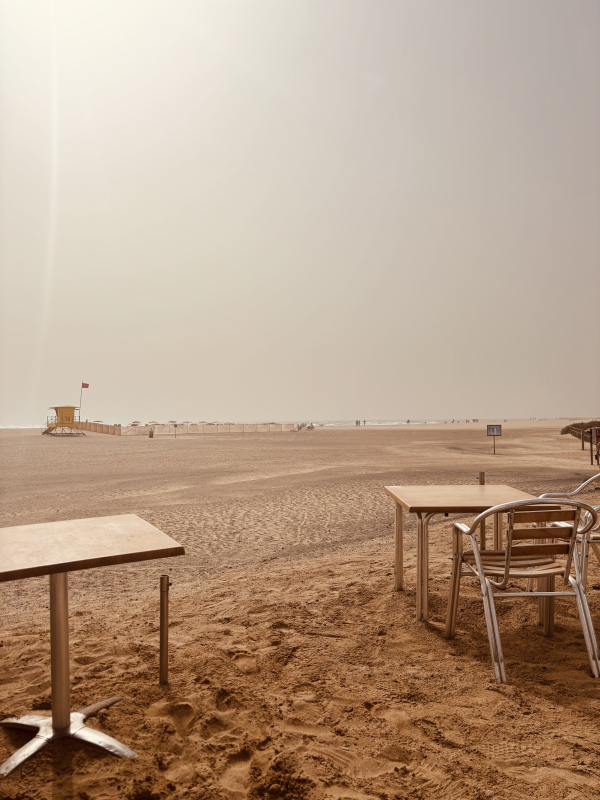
(454, 499)
(30, 550)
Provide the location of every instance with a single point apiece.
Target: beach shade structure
(64, 422)
(528, 554)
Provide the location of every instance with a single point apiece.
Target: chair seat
(520, 566)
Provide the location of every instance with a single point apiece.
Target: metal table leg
(547, 606)
(164, 630)
(399, 550)
(482, 536)
(59, 650)
(425, 565)
(419, 567)
(496, 531)
(62, 723)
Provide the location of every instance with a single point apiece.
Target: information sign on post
(494, 430)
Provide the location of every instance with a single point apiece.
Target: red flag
(85, 386)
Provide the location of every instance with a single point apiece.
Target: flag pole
(80, 397)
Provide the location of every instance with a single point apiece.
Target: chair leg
(596, 548)
(585, 551)
(499, 653)
(541, 585)
(589, 634)
(493, 633)
(454, 584)
(585, 561)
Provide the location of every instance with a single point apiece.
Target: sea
(336, 423)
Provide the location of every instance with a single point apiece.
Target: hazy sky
(283, 209)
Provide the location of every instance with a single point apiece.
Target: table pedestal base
(45, 733)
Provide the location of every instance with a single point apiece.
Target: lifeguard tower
(64, 422)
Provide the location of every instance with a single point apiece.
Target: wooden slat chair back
(529, 553)
(531, 525)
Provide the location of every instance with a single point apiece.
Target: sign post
(494, 430)
(593, 445)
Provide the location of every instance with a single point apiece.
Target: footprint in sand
(246, 663)
(400, 719)
(182, 714)
(243, 659)
(511, 752)
(213, 725)
(85, 660)
(401, 755)
(236, 777)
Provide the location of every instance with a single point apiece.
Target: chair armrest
(458, 531)
(460, 526)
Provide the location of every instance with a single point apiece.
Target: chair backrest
(531, 525)
(527, 521)
(574, 492)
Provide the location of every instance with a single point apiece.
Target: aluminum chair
(593, 539)
(538, 560)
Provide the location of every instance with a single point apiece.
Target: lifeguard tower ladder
(65, 422)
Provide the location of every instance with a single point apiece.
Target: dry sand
(296, 671)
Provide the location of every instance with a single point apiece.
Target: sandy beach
(295, 669)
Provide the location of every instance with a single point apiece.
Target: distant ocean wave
(19, 427)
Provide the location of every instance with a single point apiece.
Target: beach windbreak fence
(182, 429)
